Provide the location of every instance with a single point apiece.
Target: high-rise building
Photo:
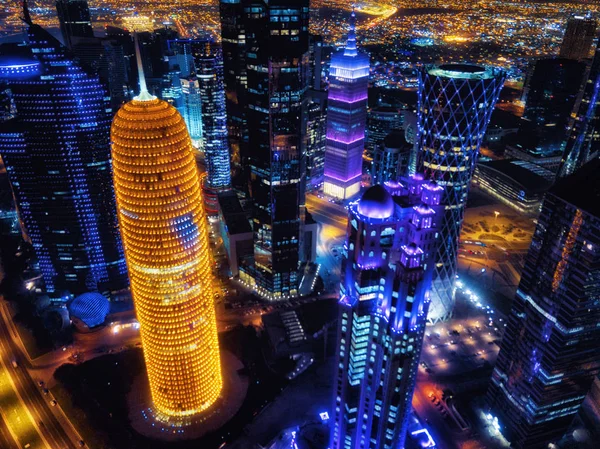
(381, 121)
(391, 158)
(346, 119)
(549, 355)
(455, 103)
(553, 91)
(165, 235)
(387, 268)
(316, 126)
(578, 38)
(276, 52)
(191, 109)
(234, 19)
(74, 19)
(57, 154)
(209, 71)
(583, 143)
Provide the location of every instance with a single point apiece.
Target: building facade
(391, 158)
(234, 16)
(277, 67)
(316, 127)
(74, 19)
(553, 92)
(455, 103)
(549, 355)
(583, 143)
(165, 234)
(346, 119)
(191, 109)
(387, 268)
(57, 155)
(209, 69)
(578, 38)
(381, 121)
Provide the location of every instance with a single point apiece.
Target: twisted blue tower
(346, 119)
(455, 103)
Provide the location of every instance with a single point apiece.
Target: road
(25, 409)
(333, 221)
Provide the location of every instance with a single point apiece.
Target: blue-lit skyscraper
(57, 154)
(455, 103)
(209, 72)
(346, 119)
(550, 355)
(387, 270)
(191, 108)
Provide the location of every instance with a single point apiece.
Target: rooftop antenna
(144, 94)
(350, 49)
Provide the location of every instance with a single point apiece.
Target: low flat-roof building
(235, 230)
(518, 184)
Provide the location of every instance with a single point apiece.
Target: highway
(26, 411)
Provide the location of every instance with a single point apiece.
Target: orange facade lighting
(164, 233)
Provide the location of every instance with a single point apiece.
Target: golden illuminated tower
(164, 232)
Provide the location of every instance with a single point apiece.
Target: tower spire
(144, 94)
(350, 49)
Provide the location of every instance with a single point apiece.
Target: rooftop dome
(91, 308)
(376, 202)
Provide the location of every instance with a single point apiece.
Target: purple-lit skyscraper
(387, 271)
(346, 119)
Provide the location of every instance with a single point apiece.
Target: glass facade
(74, 19)
(455, 103)
(276, 54)
(346, 119)
(549, 355)
(57, 154)
(584, 138)
(209, 71)
(387, 267)
(234, 16)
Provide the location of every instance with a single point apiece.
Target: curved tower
(346, 119)
(164, 232)
(455, 105)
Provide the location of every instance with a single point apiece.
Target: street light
(496, 213)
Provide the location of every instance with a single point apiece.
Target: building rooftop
(532, 177)
(463, 71)
(376, 202)
(582, 188)
(233, 214)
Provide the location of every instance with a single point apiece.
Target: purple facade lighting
(346, 119)
(387, 269)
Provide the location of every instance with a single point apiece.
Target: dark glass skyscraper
(550, 355)
(387, 268)
(346, 119)
(552, 94)
(455, 103)
(583, 143)
(391, 158)
(74, 19)
(234, 18)
(57, 154)
(276, 55)
(578, 38)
